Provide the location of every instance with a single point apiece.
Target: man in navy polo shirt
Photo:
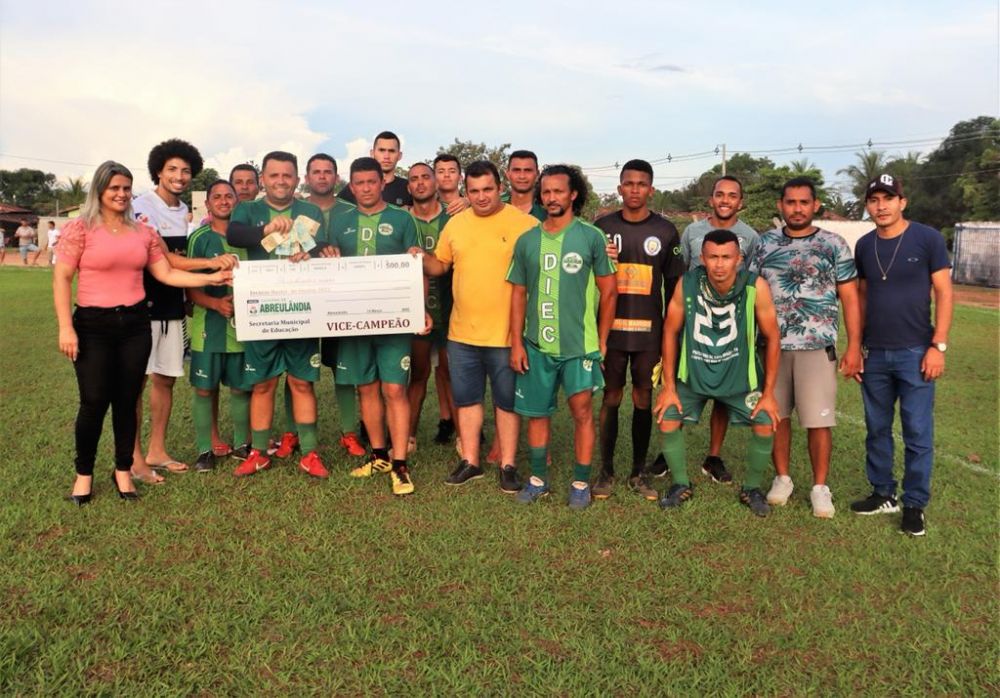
(900, 264)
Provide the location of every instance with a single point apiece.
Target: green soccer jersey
(210, 331)
(258, 214)
(438, 287)
(558, 272)
(537, 210)
(718, 354)
(390, 231)
(339, 207)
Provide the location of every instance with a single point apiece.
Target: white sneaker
(781, 490)
(822, 502)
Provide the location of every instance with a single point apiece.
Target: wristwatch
(940, 346)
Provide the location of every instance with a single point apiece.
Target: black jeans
(114, 345)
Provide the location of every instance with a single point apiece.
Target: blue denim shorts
(469, 366)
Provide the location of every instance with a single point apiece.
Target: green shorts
(364, 360)
(536, 389)
(739, 406)
(209, 368)
(267, 358)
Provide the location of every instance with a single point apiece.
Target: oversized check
(328, 297)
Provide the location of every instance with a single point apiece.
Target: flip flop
(149, 478)
(170, 466)
(221, 450)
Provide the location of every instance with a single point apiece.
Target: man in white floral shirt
(808, 269)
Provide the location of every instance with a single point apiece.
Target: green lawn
(278, 584)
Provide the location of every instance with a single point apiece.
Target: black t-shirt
(395, 193)
(649, 264)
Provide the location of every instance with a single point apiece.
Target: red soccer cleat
(254, 463)
(289, 444)
(312, 465)
(352, 444)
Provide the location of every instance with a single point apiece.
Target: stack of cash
(301, 238)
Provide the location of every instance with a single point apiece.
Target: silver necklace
(885, 272)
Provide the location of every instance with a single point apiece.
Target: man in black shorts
(649, 264)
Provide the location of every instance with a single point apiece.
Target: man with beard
(216, 355)
(171, 166)
(808, 269)
(431, 217)
(725, 202)
(558, 337)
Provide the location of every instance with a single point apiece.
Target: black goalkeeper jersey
(649, 264)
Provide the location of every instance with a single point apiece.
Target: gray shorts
(807, 383)
(166, 358)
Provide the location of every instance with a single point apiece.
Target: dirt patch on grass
(682, 650)
(48, 535)
(978, 296)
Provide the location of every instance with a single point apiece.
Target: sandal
(172, 466)
(150, 478)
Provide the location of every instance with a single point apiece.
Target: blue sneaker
(579, 495)
(533, 491)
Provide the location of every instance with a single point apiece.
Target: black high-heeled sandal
(78, 499)
(127, 496)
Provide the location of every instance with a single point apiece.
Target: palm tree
(870, 164)
(801, 167)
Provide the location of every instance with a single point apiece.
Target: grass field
(282, 585)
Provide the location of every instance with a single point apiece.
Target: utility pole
(723, 159)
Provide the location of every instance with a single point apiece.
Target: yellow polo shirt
(480, 249)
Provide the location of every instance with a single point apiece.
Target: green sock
(673, 451)
(260, 438)
(537, 457)
(289, 416)
(347, 406)
(581, 472)
(758, 458)
(201, 412)
(239, 412)
(307, 437)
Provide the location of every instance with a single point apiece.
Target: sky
(586, 83)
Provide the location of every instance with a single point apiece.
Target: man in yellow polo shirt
(478, 244)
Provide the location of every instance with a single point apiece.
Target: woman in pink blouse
(108, 337)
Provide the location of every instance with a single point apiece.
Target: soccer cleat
(463, 473)
(312, 465)
(675, 496)
(716, 469)
(352, 444)
(533, 491)
(579, 495)
(254, 463)
(658, 468)
(241, 452)
(289, 444)
(875, 504)
(401, 482)
(604, 486)
(756, 501)
(638, 484)
(373, 465)
(781, 490)
(822, 502)
(913, 521)
(510, 481)
(446, 429)
(205, 462)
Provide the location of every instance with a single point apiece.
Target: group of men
(524, 295)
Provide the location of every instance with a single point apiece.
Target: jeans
(891, 375)
(114, 347)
